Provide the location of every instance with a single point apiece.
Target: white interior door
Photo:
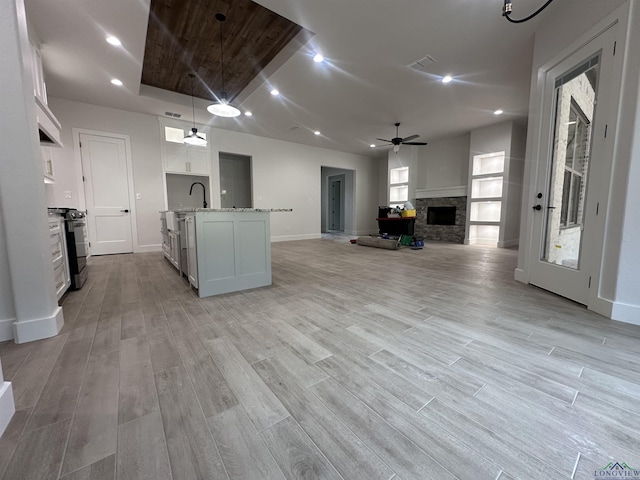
(106, 185)
(566, 204)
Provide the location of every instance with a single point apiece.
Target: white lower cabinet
(174, 249)
(192, 253)
(58, 245)
(226, 251)
(234, 251)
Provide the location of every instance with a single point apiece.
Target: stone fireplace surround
(443, 233)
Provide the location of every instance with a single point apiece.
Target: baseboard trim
(625, 312)
(508, 243)
(148, 248)
(366, 232)
(38, 328)
(601, 306)
(289, 238)
(7, 405)
(6, 329)
(519, 275)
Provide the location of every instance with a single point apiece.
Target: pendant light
(193, 138)
(222, 108)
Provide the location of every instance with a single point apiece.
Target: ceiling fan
(397, 141)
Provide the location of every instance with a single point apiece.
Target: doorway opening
(235, 181)
(337, 202)
(335, 222)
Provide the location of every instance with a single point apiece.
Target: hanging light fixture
(222, 108)
(508, 7)
(193, 138)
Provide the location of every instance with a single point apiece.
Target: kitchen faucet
(204, 193)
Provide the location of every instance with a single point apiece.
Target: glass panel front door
(575, 101)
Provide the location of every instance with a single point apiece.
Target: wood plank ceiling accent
(183, 36)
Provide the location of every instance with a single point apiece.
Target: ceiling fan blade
(410, 137)
(414, 143)
(383, 140)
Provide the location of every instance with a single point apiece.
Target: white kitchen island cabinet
(229, 249)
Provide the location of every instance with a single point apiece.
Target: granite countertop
(190, 210)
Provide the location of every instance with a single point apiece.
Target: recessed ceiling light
(116, 82)
(372, 145)
(498, 112)
(115, 41)
(317, 132)
(248, 113)
(318, 58)
(275, 92)
(447, 79)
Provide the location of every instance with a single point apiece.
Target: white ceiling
(356, 95)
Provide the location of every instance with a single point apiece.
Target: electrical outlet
(67, 194)
(138, 196)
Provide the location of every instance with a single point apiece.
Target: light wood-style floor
(357, 363)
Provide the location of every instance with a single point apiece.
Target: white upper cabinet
(48, 125)
(39, 87)
(186, 159)
(179, 157)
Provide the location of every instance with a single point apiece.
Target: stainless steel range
(77, 246)
(77, 243)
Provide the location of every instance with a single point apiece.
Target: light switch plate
(138, 196)
(67, 194)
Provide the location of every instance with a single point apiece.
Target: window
(399, 186)
(575, 167)
(176, 135)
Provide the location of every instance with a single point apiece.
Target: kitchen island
(227, 249)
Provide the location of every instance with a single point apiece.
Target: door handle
(537, 207)
(126, 210)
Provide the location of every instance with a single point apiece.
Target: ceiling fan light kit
(222, 108)
(397, 140)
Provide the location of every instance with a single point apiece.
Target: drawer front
(54, 227)
(60, 277)
(57, 246)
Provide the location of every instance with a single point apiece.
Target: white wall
(626, 172)
(515, 167)
(285, 175)
(383, 181)
(288, 175)
(444, 163)
(7, 309)
(144, 132)
(178, 187)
